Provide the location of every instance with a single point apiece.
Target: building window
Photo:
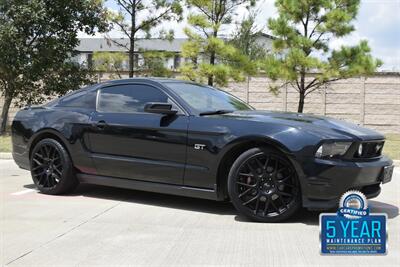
(177, 61)
(90, 60)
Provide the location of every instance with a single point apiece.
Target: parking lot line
(23, 192)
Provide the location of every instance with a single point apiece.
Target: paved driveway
(107, 226)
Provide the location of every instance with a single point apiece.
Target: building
(88, 46)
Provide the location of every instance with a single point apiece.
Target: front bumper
(325, 181)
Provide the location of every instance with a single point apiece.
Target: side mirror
(159, 108)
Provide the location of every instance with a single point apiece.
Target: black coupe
(183, 138)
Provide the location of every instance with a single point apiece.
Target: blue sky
(378, 22)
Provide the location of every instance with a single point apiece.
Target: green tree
(154, 63)
(303, 31)
(37, 40)
(246, 38)
(111, 62)
(211, 57)
(137, 17)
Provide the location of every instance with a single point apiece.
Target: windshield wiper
(216, 112)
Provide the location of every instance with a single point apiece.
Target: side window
(128, 98)
(83, 99)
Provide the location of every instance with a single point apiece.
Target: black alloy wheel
(51, 168)
(263, 185)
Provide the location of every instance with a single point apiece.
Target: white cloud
(378, 22)
(352, 39)
(384, 13)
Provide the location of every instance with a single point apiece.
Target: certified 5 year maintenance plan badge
(353, 230)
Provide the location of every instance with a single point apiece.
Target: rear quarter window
(83, 99)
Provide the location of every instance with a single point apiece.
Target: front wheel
(51, 168)
(263, 185)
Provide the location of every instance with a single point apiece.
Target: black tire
(263, 185)
(51, 168)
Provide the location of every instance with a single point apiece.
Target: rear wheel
(263, 185)
(51, 168)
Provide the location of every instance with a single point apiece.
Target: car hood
(317, 125)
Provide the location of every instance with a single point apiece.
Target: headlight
(332, 149)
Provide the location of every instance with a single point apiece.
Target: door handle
(101, 125)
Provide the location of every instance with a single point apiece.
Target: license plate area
(387, 174)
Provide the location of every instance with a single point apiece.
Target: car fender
(44, 132)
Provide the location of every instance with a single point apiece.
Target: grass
(391, 149)
(392, 146)
(5, 143)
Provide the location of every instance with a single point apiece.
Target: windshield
(205, 98)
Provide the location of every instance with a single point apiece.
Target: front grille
(371, 149)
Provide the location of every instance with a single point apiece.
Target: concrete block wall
(373, 102)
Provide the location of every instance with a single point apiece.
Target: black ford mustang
(187, 139)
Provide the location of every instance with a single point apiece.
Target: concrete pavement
(108, 226)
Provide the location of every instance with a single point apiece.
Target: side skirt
(149, 186)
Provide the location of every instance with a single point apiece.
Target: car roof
(124, 81)
(141, 79)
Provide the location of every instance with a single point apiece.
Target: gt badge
(199, 146)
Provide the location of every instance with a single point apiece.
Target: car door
(127, 142)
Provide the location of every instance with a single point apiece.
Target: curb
(6, 155)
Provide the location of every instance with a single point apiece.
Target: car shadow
(150, 198)
(381, 207)
(303, 216)
(30, 186)
(312, 217)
